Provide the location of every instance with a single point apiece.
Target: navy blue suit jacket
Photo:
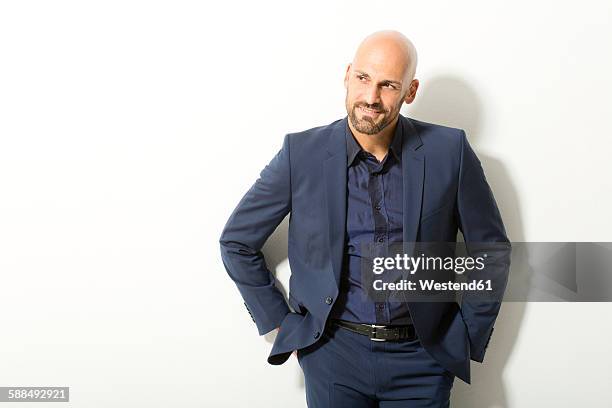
(445, 190)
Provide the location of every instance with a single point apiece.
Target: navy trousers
(348, 370)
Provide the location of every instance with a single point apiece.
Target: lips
(370, 111)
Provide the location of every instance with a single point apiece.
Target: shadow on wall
(275, 252)
(450, 101)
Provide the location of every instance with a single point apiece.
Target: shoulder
(317, 133)
(437, 137)
(434, 132)
(313, 140)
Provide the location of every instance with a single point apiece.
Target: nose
(372, 94)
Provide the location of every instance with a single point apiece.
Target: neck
(376, 144)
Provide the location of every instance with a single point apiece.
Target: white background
(130, 130)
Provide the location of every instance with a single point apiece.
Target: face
(375, 91)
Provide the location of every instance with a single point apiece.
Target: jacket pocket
(296, 305)
(437, 210)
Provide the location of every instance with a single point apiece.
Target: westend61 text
(429, 284)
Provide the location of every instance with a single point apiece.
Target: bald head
(388, 48)
(379, 80)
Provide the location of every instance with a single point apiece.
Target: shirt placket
(381, 224)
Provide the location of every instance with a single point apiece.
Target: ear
(411, 93)
(346, 75)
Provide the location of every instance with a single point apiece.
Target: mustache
(376, 106)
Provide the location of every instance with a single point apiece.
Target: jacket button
(316, 335)
(329, 300)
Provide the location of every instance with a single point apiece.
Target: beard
(367, 125)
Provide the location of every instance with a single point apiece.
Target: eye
(390, 86)
(360, 77)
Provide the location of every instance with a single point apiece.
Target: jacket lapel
(334, 172)
(413, 171)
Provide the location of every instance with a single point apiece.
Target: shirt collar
(353, 148)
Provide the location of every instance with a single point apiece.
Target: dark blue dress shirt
(374, 215)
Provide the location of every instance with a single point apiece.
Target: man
(373, 176)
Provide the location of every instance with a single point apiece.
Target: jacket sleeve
(483, 231)
(254, 219)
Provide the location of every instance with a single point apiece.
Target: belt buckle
(374, 327)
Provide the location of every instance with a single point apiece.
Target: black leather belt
(379, 332)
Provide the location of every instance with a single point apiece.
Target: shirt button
(381, 239)
(328, 300)
(377, 208)
(316, 335)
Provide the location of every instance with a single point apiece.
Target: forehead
(381, 62)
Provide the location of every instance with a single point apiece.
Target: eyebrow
(389, 81)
